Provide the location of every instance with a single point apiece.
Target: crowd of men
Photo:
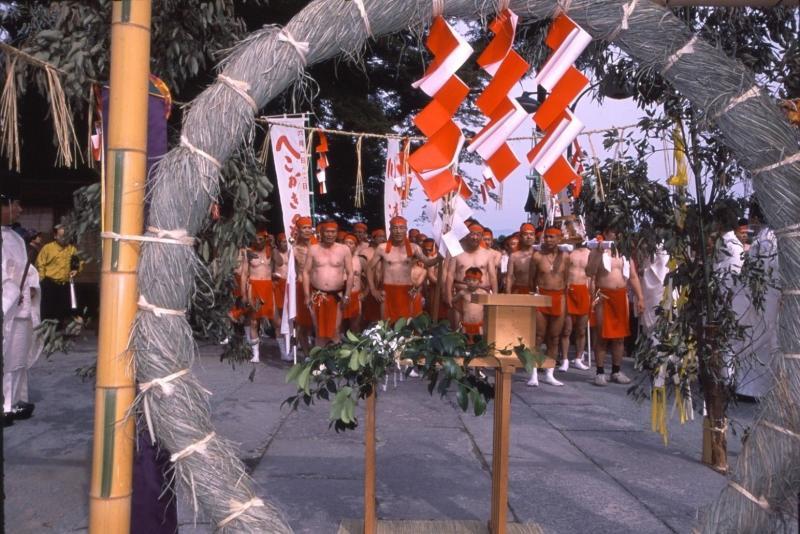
(347, 279)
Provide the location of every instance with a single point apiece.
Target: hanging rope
(359, 201)
(9, 143)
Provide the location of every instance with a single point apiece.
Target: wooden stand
(508, 320)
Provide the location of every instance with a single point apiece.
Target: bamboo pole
(112, 463)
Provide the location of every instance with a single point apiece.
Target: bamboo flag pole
(110, 493)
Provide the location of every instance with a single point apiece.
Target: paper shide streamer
(564, 82)
(505, 114)
(434, 160)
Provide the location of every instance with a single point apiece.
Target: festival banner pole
(112, 464)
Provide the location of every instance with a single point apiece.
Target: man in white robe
(728, 262)
(756, 377)
(655, 271)
(21, 294)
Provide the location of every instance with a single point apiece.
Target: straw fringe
(9, 123)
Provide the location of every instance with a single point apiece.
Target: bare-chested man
(304, 237)
(518, 275)
(279, 275)
(394, 261)
(578, 307)
(257, 288)
(432, 283)
(473, 256)
(327, 283)
(548, 273)
(352, 313)
(360, 231)
(471, 313)
(612, 274)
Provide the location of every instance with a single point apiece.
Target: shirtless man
(578, 307)
(394, 261)
(518, 275)
(419, 273)
(471, 313)
(304, 237)
(360, 231)
(352, 313)
(473, 256)
(327, 283)
(612, 274)
(279, 275)
(257, 289)
(548, 273)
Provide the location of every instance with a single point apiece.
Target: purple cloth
(154, 507)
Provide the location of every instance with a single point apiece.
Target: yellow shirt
(53, 261)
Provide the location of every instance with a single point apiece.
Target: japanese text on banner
(291, 169)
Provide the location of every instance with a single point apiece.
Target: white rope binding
(761, 502)
(562, 6)
(781, 429)
(791, 356)
(197, 447)
(184, 240)
(163, 383)
(747, 95)
(238, 508)
(205, 155)
(688, 48)
(792, 230)
(794, 158)
(158, 312)
(301, 47)
(627, 11)
(242, 88)
(363, 11)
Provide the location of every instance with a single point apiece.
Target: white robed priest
(655, 271)
(755, 377)
(21, 294)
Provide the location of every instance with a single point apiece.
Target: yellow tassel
(658, 413)
(681, 176)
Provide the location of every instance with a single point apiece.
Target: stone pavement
(582, 458)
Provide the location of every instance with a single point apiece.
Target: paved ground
(583, 459)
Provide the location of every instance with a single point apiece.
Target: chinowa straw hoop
(272, 59)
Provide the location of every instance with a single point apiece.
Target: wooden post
(112, 463)
(370, 516)
(715, 439)
(501, 438)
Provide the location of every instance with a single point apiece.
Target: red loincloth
(397, 302)
(416, 304)
(261, 291)
(279, 289)
(326, 309)
(303, 313)
(472, 329)
(578, 299)
(556, 309)
(616, 324)
(370, 309)
(353, 308)
(518, 289)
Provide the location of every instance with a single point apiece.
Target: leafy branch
(349, 370)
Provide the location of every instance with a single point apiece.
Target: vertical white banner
(393, 183)
(291, 168)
